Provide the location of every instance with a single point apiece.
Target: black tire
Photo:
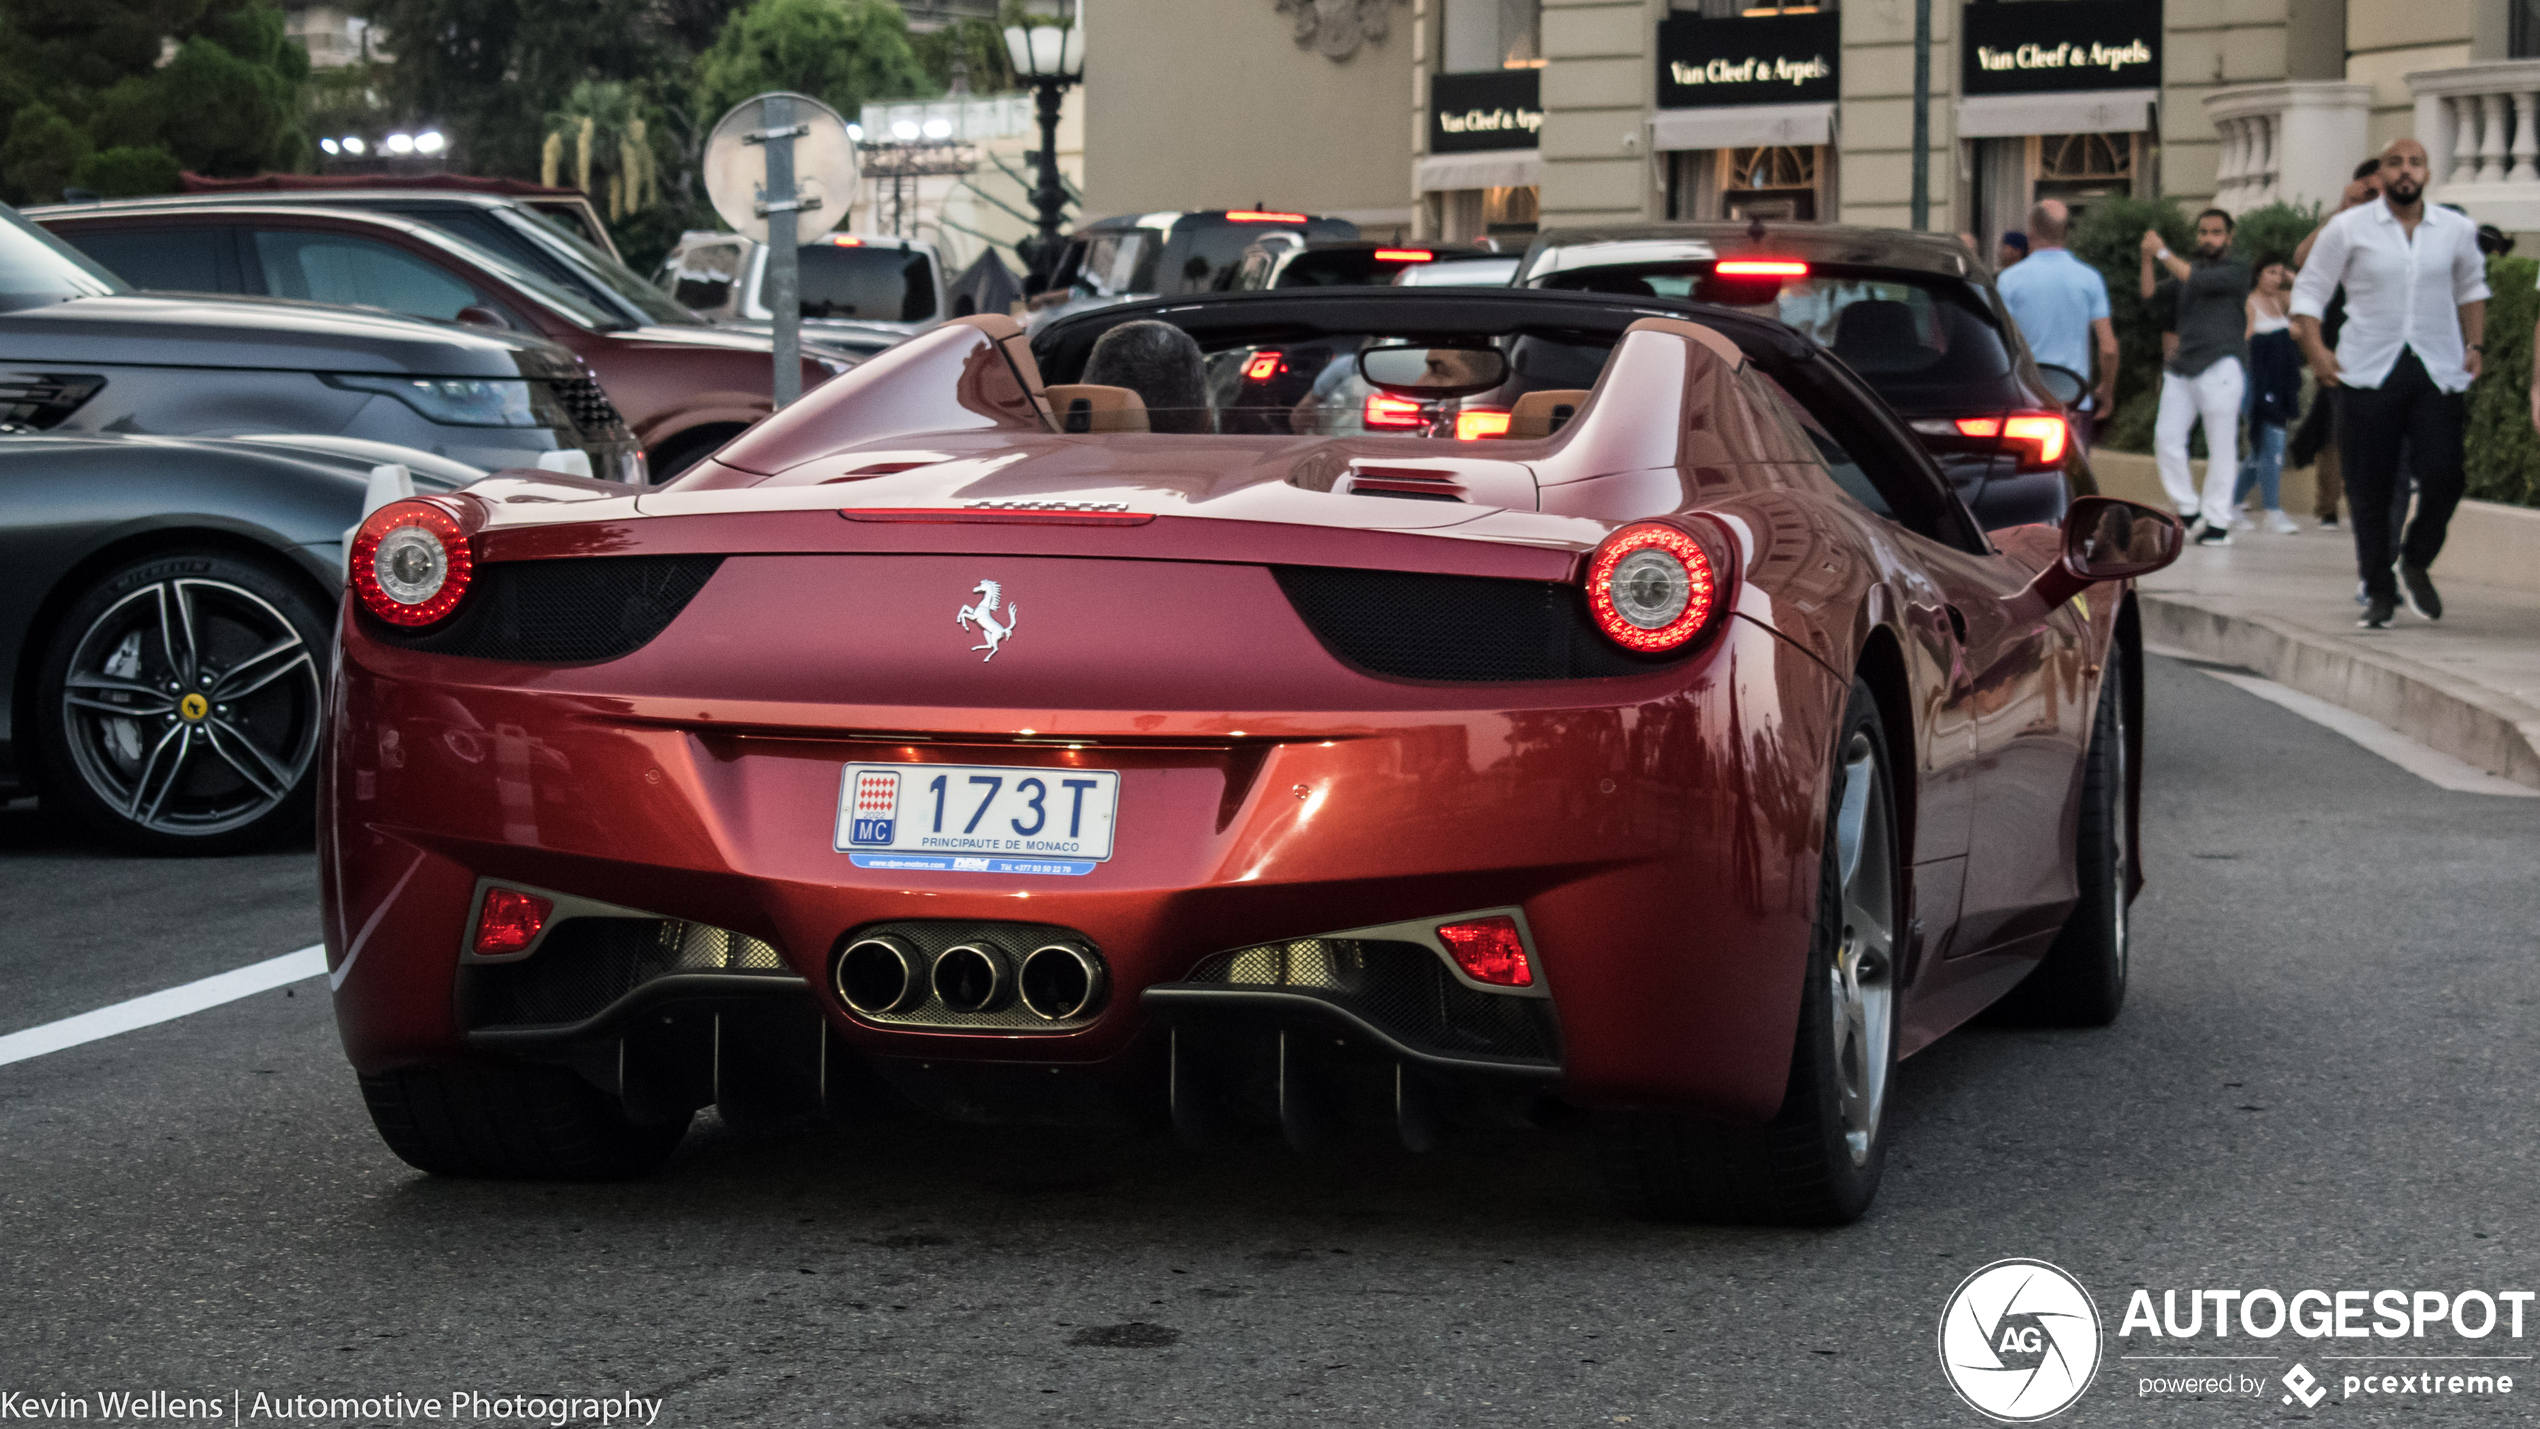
(2081, 981)
(1810, 1164)
(181, 701)
(512, 1123)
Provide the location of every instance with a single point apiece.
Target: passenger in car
(1163, 365)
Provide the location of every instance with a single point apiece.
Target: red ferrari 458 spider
(1438, 708)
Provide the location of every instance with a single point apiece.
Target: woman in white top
(2275, 394)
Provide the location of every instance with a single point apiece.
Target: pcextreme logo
(2019, 1341)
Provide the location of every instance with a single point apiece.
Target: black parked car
(167, 609)
(80, 351)
(1915, 314)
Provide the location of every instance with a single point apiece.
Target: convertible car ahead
(1438, 708)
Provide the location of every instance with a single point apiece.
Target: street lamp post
(1050, 58)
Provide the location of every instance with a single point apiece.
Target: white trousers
(2214, 395)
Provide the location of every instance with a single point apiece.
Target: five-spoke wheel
(183, 696)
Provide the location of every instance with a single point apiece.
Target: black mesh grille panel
(587, 963)
(567, 612)
(591, 408)
(1401, 987)
(930, 938)
(1468, 629)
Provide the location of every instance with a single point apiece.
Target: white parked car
(860, 292)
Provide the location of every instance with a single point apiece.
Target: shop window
(1463, 215)
(1773, 181)
(2083, 168)
(1484, 35)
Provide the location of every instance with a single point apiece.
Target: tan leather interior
(1708, 337)
(1010, 340)
(1535, 413)
(1090, 407)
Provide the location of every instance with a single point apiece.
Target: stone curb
(2493, 731)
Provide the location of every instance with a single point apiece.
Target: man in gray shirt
(2205, 377)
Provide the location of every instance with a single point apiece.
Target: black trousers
(2407, 412)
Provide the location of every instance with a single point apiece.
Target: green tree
(976, 47)
(2109, 237)
(2504, 453)
(228, 100)
(841, 52)
(127, 173)
(489, 72)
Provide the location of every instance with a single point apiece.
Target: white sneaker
(2241, 522)
(2282, 524)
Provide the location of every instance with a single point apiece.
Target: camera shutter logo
(2019, 1341)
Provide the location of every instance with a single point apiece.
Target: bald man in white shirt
(2416, 313)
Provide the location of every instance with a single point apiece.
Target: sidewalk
(2283, 606)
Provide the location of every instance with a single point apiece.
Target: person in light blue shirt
(2061, 305)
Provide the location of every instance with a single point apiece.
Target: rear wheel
(519, 1123)
(2081, 982)
(180, 703)
(1818, 1161)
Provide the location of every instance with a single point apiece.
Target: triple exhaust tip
(885, 976)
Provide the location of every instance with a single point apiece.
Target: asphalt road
(2324, 1078)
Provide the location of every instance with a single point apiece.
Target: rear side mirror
(1430, 373)
(2062, 383)
(2106, 539)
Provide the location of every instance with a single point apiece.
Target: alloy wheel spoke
(92, 692)
(256, 767)
(1852, 817)
(163, 769)
(176, 630)
(262, 669)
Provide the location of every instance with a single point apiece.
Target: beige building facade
(1489, 118)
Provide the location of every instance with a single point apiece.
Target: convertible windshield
(1313, 387)
(38, 270)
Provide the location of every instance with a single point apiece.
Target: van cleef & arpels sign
(2069, 45)
(1771, 59)
(1499, 109)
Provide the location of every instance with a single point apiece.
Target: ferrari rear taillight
(508, 922)
(1394, 414)
(2041, 436)
(411, 563)
(1489, 950)
(1652, 588)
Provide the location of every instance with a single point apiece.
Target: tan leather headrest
(1009, 337)
(1091, 407)
(1537, 414)
(1708, 337)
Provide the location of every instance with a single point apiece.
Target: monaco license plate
(966, 818)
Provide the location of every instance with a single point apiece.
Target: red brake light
(1760, 268)
(2044, 433)
(1265, 366)
(509, 921)
(1489, 950)
(1652, 588)
(1405, 255)
(1394, 413)
(845, 240)
(411, 562)
(1250, 215)
(1473, 426)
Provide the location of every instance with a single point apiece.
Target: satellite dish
(824, 168)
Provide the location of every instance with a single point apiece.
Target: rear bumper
(1659, 834)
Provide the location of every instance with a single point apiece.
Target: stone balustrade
(2480, 124)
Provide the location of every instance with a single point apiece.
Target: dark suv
(82, 352)
(1161, 255)
(1915, 314)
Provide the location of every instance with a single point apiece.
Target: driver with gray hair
(1160, 363)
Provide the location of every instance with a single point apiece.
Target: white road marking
(2424, 761)
(165, 1006)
